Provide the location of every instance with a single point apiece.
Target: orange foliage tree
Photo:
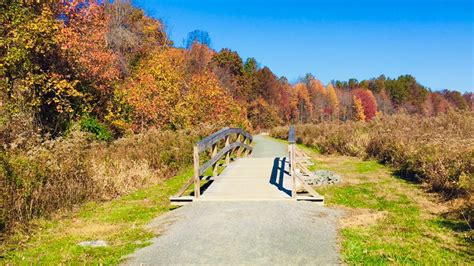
(162, 95)
(85, 46)
(318, 97)
(303, 101)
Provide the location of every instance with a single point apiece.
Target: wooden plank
(219, 135)
(227, 155)
(220, 154)
(292, 169)
(308, 187)
(292, 135)
(183, 189)
(216, 165)
(197, 174)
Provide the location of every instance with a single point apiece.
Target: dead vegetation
(437, 151)
(41, 177)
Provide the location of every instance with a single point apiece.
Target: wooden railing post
(292, 151)
(216, 165)
(227, 156)
(212, 142)
(197, 179)
(292, 170)
(239, 149)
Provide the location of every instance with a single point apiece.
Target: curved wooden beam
(219, 135)
(221, 154)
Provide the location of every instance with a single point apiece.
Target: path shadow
(204, 187)
(278, 174)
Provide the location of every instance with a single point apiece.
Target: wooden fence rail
(236, 142)
(299, 163)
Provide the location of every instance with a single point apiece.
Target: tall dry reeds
(436, 150)
(61, 173)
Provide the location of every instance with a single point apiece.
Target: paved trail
(245, 225)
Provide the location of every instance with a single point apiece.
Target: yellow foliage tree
(334, 102)
(359, 109)
(154, 92)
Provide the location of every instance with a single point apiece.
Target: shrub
(61, 173)
(93, 126)
(437, 150)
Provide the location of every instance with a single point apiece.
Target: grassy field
(120, 222)
(390, 220)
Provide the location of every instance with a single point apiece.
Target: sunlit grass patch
(391, 221)
(120, 222)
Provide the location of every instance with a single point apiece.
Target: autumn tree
(440, 104)
(346, 104)
(333, 101)
(368, 103)
(318, 96)
(383, 102)
(131, 34)
(263, 115)
(228, 67)
(203, 101)
(284, 106)
(303, 101)
(358, 109)
(154, 91)
(85, 46)
(267, 86)
(198, 58)
(455, 98)
(251, 69)
(35, 77)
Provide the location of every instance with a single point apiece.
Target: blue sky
(337, 39)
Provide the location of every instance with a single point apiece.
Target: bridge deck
(263, 176)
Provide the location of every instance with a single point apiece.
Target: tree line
(109, 65)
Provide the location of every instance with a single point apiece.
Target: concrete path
(261, 176)
(246, 217)
(243, 233)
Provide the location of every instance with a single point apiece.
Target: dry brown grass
(438, 151)
(62, 173)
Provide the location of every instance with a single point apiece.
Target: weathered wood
(241, 138)
(227, 155)
(197, 174)
(186, 186)
(220, 154)
(292, 135)
(212, 142)
(291, 148)
(216, 165)
(308, 188)
(219, 135)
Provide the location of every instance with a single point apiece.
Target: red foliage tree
(368, 102)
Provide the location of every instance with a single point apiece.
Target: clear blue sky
(337, 39)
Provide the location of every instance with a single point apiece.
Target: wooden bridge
(232, 165)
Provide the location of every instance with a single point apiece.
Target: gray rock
(322, 177)
(94, 244)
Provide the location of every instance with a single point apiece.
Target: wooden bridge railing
(235, 140)
(299, 163)
(291, 152)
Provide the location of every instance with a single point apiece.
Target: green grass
(120, 222)
(407, 232)
(400, 222)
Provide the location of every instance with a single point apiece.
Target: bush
(93, 126)
(436, 150)
(61, 173)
